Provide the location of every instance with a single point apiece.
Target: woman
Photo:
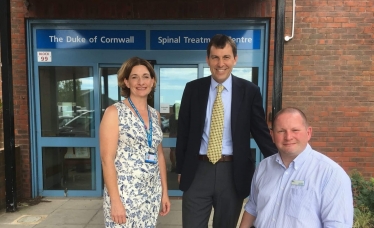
(133, 162)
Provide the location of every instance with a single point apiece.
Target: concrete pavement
(74, 213)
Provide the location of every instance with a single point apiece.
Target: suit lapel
(236, 101)
(203, 101)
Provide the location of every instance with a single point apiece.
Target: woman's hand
(118, 212)
(165, 205)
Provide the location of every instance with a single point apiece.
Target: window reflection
(78, 126)
(172, 83)
(66, 95)
(68, 168)
(171, 172)
(110, 92)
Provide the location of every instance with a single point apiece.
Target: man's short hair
(290, 110)
(220, 41)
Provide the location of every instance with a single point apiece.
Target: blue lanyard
(149, 132)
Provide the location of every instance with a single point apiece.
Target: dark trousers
(213, 186)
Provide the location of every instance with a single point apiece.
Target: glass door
(68, 155)
(168, 96)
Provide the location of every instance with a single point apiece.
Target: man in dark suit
(206, 182)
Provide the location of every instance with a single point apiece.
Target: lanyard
(149, 132)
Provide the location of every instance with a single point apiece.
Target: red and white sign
(44, 56)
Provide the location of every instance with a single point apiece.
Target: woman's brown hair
(125, 70)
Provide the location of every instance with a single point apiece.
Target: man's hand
(179, 178)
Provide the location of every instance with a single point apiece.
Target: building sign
(90, 39)
(198, 39)
(136, 39)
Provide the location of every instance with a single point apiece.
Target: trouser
(213, 186)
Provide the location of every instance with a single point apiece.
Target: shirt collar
(299, 160)
(227, 83)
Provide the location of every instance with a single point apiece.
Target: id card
(151, 158)
(297, 182)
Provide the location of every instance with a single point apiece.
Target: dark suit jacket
(247, 117)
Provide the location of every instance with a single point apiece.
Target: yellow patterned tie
(216, 128)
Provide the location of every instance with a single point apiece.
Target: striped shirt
(313, 191)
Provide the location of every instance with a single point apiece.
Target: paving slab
(69, 217)
(92, 204)
(60, 226)
(79, 213)
(173, 218)
(44, 207)
(94, 226)
(16, 226)
(7, 218)
(98, 219)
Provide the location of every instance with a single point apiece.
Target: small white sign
(44, 56)
(164, 108)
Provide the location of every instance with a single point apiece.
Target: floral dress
(139, 183)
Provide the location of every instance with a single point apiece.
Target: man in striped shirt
(298, 187)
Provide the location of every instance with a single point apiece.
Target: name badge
(151, 157)
(297, 183)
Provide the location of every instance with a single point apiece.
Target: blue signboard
(199, 39)
(90, 39)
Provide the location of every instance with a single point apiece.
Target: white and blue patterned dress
(139, 183)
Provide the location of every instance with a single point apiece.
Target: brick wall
(20, 103)
(327, 66)
(328, 73)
